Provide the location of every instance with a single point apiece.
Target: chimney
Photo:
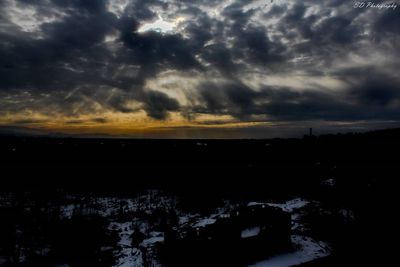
(310, 132)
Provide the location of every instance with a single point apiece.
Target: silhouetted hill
(385, 133)
(16, 131)
(80, 162)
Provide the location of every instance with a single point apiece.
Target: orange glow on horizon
(122, 124)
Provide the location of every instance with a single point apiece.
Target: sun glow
(162, 26)
(122, 124)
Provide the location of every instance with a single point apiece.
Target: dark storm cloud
(152, 51)
(289, 105)
(140, 10)
(320, 32)
(220, 58)
(387, 23)
(66, 66)
(95, 120)
(73, 55)
(368, 98)
(377, 93)
(275, 11)
(40, 64)
(231, 98)
(157, 104)
(29, 121)
(100, 120)
(254, 46)
(376, 89)
(250, 43)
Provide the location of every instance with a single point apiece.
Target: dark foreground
(347, 181)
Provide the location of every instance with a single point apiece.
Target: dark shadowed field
(347, 180)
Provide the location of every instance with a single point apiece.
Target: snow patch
(128, 256)
(308, 250)
(291, 205)
(250, 232)
(205, 222)
(152, 240)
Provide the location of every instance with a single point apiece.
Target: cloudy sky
(205, 68)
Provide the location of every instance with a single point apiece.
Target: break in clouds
(245, 61)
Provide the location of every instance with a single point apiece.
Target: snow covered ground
(288, 206)
(205, 222)
(128, 256)
(307, 250)
(250, 232)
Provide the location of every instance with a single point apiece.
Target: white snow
(131, 258)
(187, 218)
(250, 232)
(205, 222)
(251, 204)
(288, 206)
(128, 256)
(308, 250)
(291, 205)
(152, 240)
(183, 219)
(296, 222)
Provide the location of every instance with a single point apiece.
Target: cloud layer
(228, 60)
